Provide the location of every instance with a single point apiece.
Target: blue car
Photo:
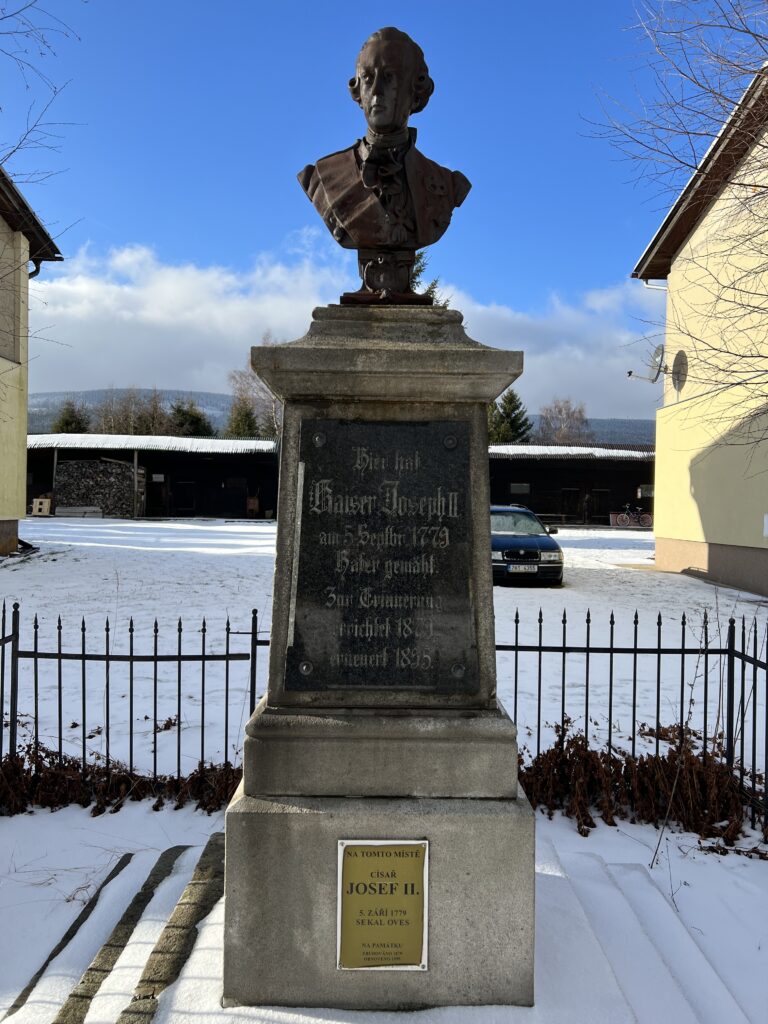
(522, 547)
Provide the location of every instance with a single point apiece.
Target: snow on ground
(51, 863)
(99, 569)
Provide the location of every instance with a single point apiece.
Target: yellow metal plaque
(382, 904)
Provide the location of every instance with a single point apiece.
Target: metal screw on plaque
(305, 667)
(450, 442)
(319, 439)
(457, 671)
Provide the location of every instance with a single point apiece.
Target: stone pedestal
(381, 720)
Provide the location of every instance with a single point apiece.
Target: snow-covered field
(98, 569)
(615, 943)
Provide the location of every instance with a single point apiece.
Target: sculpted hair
(423, 86)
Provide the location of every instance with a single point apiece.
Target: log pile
(102, 483)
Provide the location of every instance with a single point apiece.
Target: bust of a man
(382, 196)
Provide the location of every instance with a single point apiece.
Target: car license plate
(521, 568)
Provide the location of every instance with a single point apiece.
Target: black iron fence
(645, 687)
(151, 681)
(631, 688)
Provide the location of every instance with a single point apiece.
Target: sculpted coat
(355, 214)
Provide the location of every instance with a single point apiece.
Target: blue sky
(187, 235)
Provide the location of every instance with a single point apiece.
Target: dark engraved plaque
(380, 596)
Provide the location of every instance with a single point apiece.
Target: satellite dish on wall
(657, 363)
(657, 366)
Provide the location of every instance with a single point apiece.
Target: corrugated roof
(643, 453)
(159, 443)
(237, 446)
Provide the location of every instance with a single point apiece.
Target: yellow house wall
(14, 254)
(711, 475)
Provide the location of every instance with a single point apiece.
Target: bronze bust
(382, 196)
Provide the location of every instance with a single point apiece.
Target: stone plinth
(280, 930)
(381, 719)
(362, 753)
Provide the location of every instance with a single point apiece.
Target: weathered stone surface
(354, 741)
(281, 930)
(172, 949)
(364, 753)
(386, 355)
(369, 383)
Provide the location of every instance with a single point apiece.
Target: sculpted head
(391, 80)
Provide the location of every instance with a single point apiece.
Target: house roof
(734, 141)
(154, 442)
(641, 453)
(19, 216)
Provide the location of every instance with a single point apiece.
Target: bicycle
(638, 518)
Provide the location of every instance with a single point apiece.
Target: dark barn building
(570, 483)
(130, 475)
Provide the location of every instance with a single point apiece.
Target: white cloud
(127, 318)
(578, 351)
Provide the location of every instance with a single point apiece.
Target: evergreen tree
(417, 273)
(242, 421)
(188, 420)
(508, 421)
(73, 418)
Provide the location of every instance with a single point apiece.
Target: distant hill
(617, 431)
(44, 406)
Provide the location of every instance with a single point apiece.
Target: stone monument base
(359, 752)
(281, 889)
